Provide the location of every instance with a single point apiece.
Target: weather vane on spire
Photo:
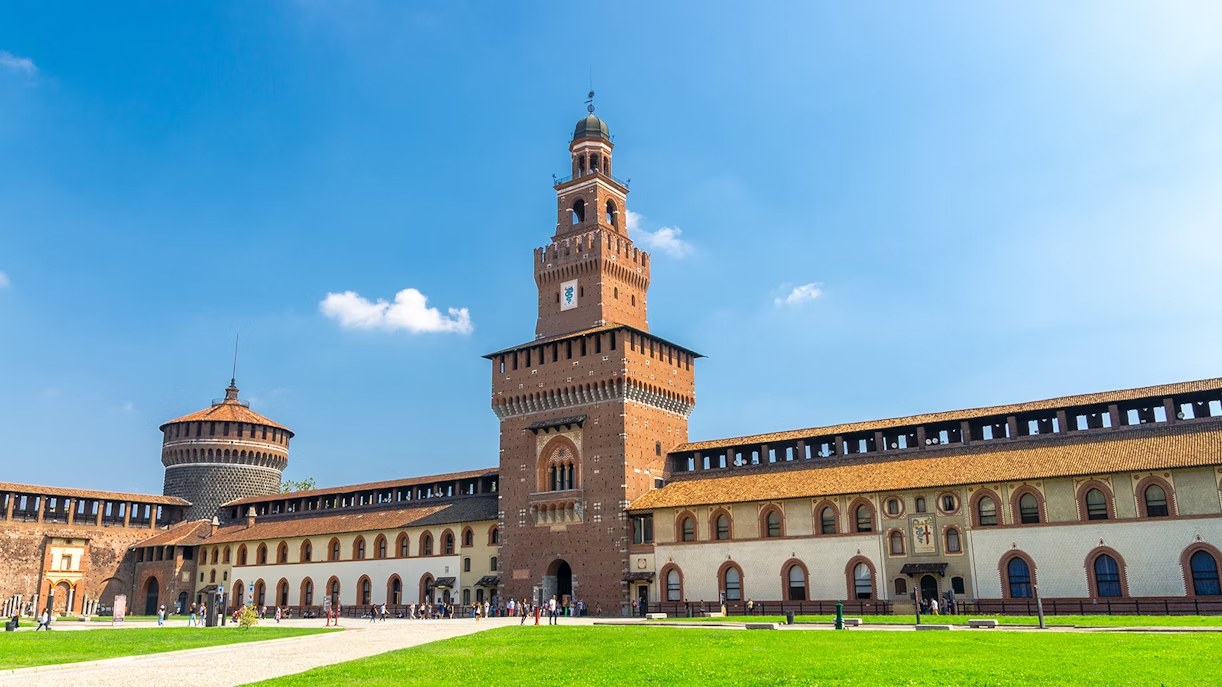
(590, 101)
(233, 378)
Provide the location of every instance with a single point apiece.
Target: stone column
(1063, 421)
(1169, 409)
(127, 515)
(1114, 411)
(42, 507)
(1012, 422)
(97, 519)
(8, 511)
(71, 518)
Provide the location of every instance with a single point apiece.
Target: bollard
(789, 618)
(839, 615)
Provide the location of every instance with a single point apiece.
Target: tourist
(933, 606)
(161, 616)
(750, 607)
(487, 608)
(383, 610)
(44, 622)
(552, 609)
(193, 619)
(277, 615)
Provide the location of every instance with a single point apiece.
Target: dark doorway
(181, 607)
(642, 598)
(151, 592)
(564, 580)
(929, 588)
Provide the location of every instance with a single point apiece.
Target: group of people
(947, 606)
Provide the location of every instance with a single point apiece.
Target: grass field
(24, 649)
(1075, 620)
(669, 656)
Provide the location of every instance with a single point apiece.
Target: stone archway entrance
(929, 587)
(151, 594)
(558, 581)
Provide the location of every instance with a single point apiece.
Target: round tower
(222, 453)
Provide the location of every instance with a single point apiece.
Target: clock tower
(590, 407)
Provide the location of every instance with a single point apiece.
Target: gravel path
(238, 664)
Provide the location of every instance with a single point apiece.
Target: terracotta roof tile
(93, 494)
(316, 523)
(1139, 449)
(183, 534)
(367, 486)
(587, 332)
(967, 414)
(228, 411)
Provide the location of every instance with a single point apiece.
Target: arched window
(335, 589)
(732, 584)
(893, 506)
(1204, 570)
(612, 215)
(449, 540)
(468, 538)
(282, 593)
(897, 543)
(494, 536)
(865, 518)
(335, 549)
(772, 524)
(1018, 577)
(1107, 577)
(723, 526)
(1096, 505)
(261, 557)
(396, 591)
(796, 589)
(953, 544)
(986, 512)
(827, 520)
(863, 581)
(657, 446)
(492, 564)
(307, 551)
(402, 545)
(689, 529)
(365, 590)
(282, 556)
(1156, 502)
(226, 554)
(212, 576)
(307, 592)
(901, 587)
(358, 549)
(379, 547)
(242, 555)
(1028, 509)
(426, 545)
(674, 585)
(579, 211)
(215, 552)
(920, 504)
(466, 565)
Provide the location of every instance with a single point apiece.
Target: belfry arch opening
(612, 214)
(579, 211)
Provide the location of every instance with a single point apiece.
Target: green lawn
(24, 649)
(1076, 620)
(611, 655)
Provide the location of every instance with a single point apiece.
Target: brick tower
(590, 408)
(222, 453)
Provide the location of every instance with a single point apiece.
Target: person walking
(552, 608)
(44, 622)
(933, 606)
(278, 612)
(193, 618)
(160, 616)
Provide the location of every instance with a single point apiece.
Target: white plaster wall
(410, 570)
(761, 561)
(1151, 551)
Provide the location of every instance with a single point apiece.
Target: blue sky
(984, 205)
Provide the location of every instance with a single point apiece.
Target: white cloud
(665, 240)
(19, 64)
(3, 280)
(801, 294)
(410, 311)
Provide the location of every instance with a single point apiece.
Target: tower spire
(231, 393)
(590, 98)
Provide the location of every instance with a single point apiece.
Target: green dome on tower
(592, 127)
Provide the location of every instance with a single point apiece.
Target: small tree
(297, 485)
(248, 617)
